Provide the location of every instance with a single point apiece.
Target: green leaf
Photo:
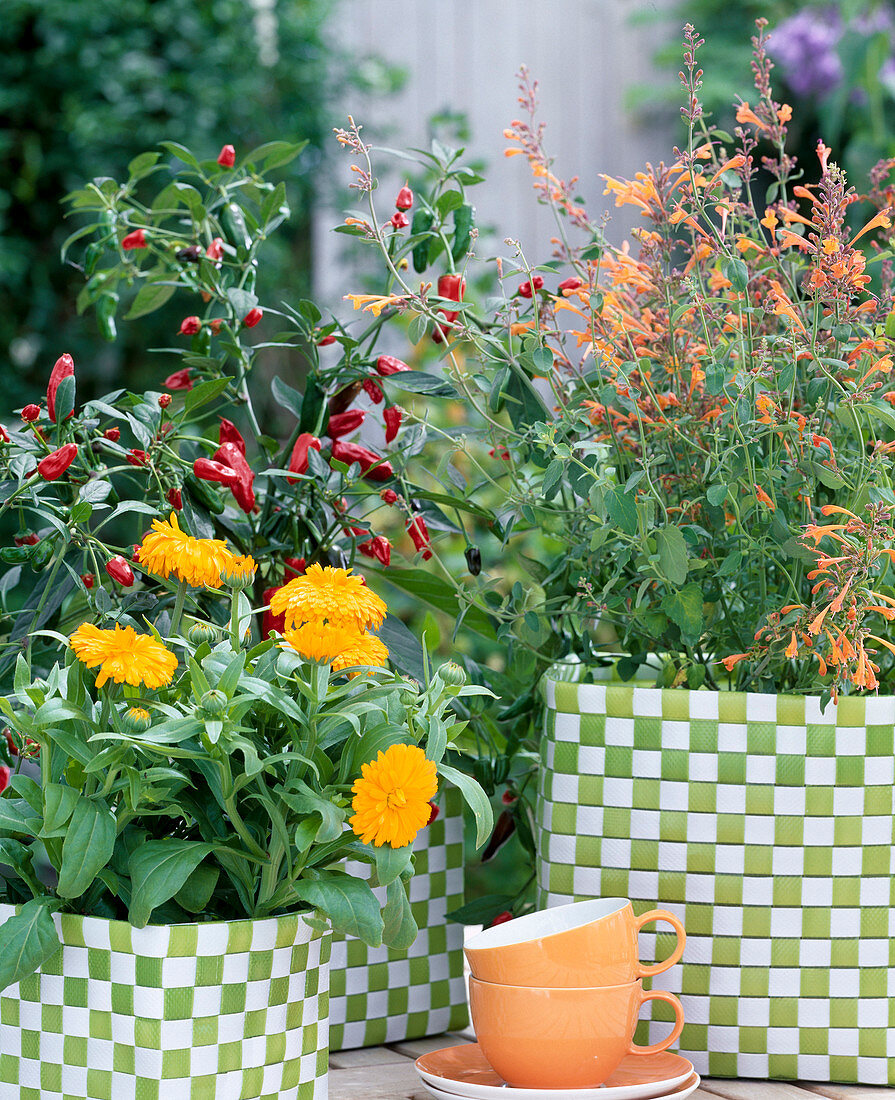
(391, 863)
(475, 798)
(685, 608)
(13, 819)
(204, 392)
(27, 941)
(399, 928)
(483, 910)
(672, 554)
(622, 509)
(286, 396)
(305, 801)
(417, 381)
(438, 594)
(88, 846)
(449, 201)
(716, 495)
(196, 892)
(158, 870)
(349, 903)
(151, 296)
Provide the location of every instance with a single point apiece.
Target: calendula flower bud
(451, 674)
(136, 719)
(213, 702)
(240, 573)
(203, 632)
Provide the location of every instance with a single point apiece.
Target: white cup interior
(548, 922)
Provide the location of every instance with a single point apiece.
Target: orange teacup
(586, 943)
(536, 1037)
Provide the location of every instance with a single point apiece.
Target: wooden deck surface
(387, 1073)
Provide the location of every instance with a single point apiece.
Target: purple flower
(804, 46)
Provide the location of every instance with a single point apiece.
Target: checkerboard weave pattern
(767, 827)
(220, 1011)
(383, 996)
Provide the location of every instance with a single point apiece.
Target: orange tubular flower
(734, 659)
(745, 114)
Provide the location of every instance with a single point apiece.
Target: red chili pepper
(325, 341)
(508, 798)
(56, 463)
(252, 317)
(524, 290)
(215, 250)
(164, 400)
(137, 239)
(227, 156)
(112, 434)
(136, 457)
(269, 621)
(372, 390)
(379, 548)
(452, 286)
(206, 469)
(392, 416)
(26, 540)
(175, 499)
(501, 918)
(353, 452)
(433, 813)
(293, 567)
(87, 579)
(389, 496)
(399, 220)
(120, 571)
(404, 198)
(30, 413)
(189, 326)
(4, 435)
(419, 533)
(179, 380)
(298, 461)
(63, 368)
(345, 423)
(5, 774)
(572, 283)
(242, 489)
(135, 552)
(215, 324)
(388, 364)
(229, 433)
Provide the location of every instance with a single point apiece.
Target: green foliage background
(86, 86)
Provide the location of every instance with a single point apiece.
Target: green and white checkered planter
(767, 827)
(233, 1010)
(383, 996)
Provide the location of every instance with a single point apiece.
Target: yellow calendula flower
(335, 596)
(391, 799)
(167, 549)
(240, 572)
(342, 647)
(123, 655)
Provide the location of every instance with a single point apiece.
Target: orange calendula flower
(391, 799)
(336, 596)
(340, 646)
(123, 655)
(168, 550)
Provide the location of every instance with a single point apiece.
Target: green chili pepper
(464, 219)
(106, 307)
(15, 555)
(233, 224)
(203, 495)
(422, 221)
(41, 554)
(91, 257)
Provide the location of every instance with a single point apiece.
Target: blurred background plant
(834, 64)
(86, 87)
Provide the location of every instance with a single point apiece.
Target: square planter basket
(767, 827)
(383, 996)
(233, 1010)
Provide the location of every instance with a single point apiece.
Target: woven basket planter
(383, 996)
(220, 1011)
(767, 827)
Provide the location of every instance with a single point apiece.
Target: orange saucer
(464, 1071)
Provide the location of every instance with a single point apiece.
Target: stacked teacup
(555, 995)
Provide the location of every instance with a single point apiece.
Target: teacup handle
(670, 918)
(668, 998)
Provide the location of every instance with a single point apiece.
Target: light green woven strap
(768, 827)
(218, 1011)
(380, 995)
